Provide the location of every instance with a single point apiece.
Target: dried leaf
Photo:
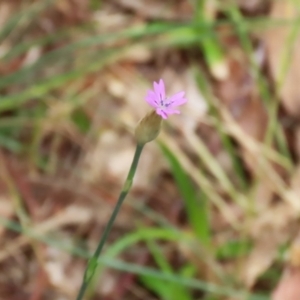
(268, 236)
(288, 287)
(284, 60)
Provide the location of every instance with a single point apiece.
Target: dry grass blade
(70, 216)
(261, 156)
(202, 181)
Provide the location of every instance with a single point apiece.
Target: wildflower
(163, 105)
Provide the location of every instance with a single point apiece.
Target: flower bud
(148, 128)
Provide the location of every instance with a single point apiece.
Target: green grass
(108, 261)
(196, 204)
(29, 92)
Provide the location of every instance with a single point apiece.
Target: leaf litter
(76, 124)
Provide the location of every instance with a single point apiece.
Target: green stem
(93, 262)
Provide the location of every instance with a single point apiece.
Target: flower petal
(178, 102)
(177, 99)
(162, 113)
(151, 98)
(162, 89)
(171, 111)
(159, 89)
(179, 95)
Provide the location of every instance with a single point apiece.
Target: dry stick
(8, 175)
(65, 217)
(93, 262)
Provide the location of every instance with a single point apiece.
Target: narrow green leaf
(196, 204)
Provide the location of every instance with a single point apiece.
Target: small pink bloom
(163, 105)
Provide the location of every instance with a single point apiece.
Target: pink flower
(163, 105)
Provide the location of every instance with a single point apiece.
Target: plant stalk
(93, 262)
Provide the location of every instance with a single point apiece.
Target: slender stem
(92, 264)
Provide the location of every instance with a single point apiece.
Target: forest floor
(214, 208)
